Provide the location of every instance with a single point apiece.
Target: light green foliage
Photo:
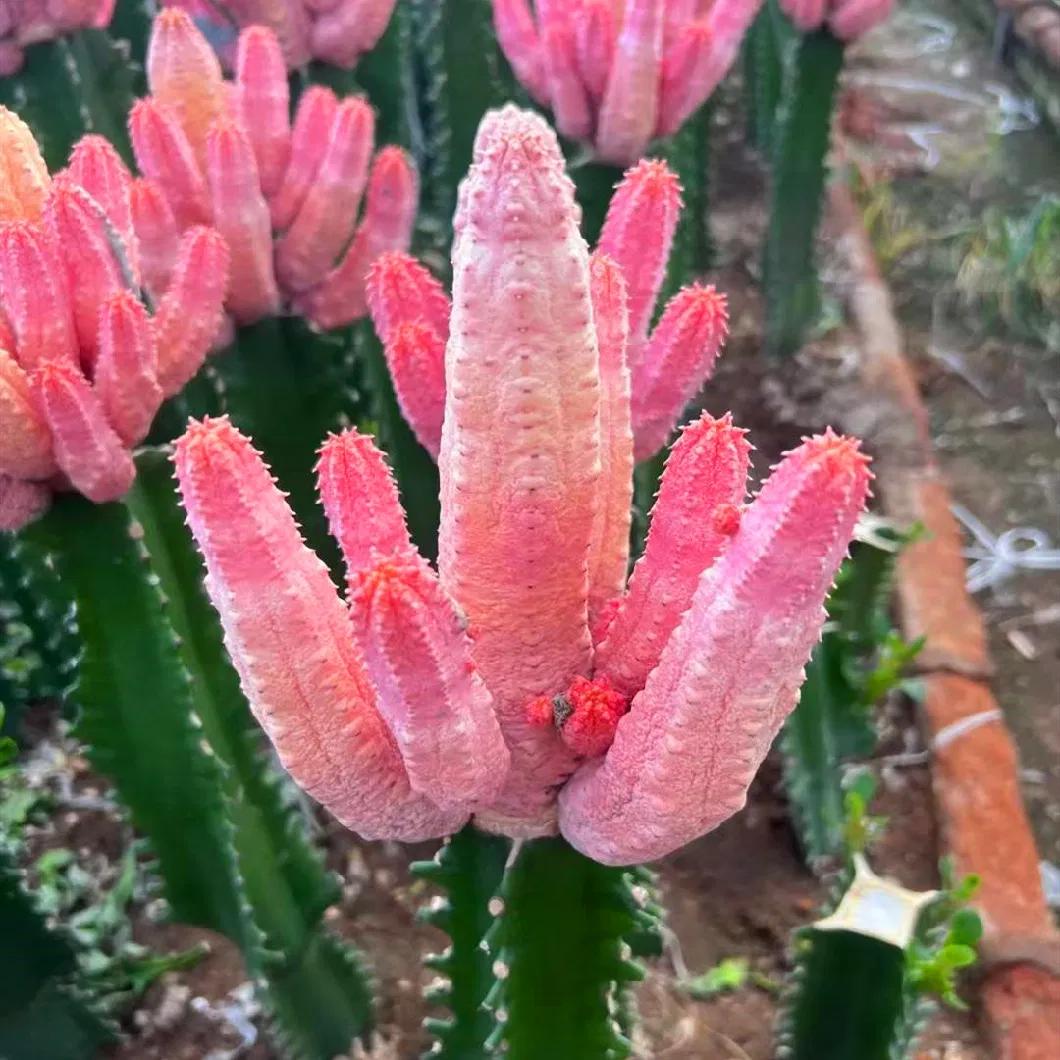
(858, 662)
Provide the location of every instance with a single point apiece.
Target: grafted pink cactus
(333, 31)
(26, 22)
(847, 19)
(479, 689)
(664, 369)
(619, 73)
(83, 365)
(286, 199)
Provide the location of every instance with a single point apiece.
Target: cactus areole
(524, 683)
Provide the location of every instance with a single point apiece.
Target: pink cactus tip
(83, 366)
(480, 689)
(619, 74)
(304, 208)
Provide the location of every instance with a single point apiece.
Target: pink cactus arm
(183, 72)
(33, 297)
(157, 235)
(570, 98)
(694, 518)
(401, 290)
(521, 45)
(637, 235)
(806, 14)
(609, 547)
(675, 363)
(165, 157)
(519, 448)
(97, 167)
(288, 22)
(687, 77)
(390, 212)
(89, 253)
(326, 219)
(24, 179)
(684, 755)
(348, 29)
(292, 642)
(415, 356)
(21, 502)
(126, 375)
(309, 143)
(87, 448)
(190, 316)
(360, 499)
(263, 102)
(241, 216)
(27, 445)
(631, 104)
(594, 31)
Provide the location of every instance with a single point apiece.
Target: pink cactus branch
(684, 755)
(292, 642)
(518, 458)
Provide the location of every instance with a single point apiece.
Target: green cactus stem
(798, 180)
(137, 709)
(68, 87)
(562, 959)
(317, 992)
(594, 184)
(44, 1013)
(765, 48)
(468, 869)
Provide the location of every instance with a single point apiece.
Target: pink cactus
(480, 689)
(664, 369)
(83, 365)
(847, 19)
(333, 31)
(26, 22)
(619, 73)
(286, 199)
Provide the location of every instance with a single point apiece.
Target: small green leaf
(966, 928)
(729, 974)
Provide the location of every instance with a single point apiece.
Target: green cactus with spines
(797, 184)
(767, 49)
(858, 661)
(468, 869)
(46, 1013)
(561, 956)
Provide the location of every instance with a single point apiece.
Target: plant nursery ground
(934, 131)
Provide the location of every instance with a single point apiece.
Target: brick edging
(974, 767)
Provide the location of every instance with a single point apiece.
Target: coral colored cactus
(664, 369)
(83, 365)
(285, 197)
(335, 31)
(619, 73)
(26, 22)
(478, 690)
(847, 19)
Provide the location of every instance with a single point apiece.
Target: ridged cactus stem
(561, 956)
(798, 179)
(415, 471)
(763, 70)
(468, 868)
(646, 479)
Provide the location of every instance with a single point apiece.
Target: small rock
(172, 1007)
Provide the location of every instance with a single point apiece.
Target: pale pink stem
(401, 290)
(694, 518)
(27, 445)
(684, 755)
(292, 642)
(87, 448)
(156, 235)
(24, 179)
(594, 30)
(519, 446)
(126, 376)
(348, 29)
(263, 102)
(415, 356)
(521, 45)
(571, 107)
(309, 143)
(609, 547)
(688, 77)
(631, 103)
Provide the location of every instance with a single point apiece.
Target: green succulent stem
(562, 959)
(798, 181)
(594, 184)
